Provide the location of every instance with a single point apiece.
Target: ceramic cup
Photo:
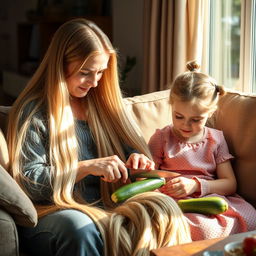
(233, 249)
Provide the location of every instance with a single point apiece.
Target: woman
(71, 142)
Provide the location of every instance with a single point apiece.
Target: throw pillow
(14, 200)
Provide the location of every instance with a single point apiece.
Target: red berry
(249, 246)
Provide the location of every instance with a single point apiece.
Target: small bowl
(234, 249)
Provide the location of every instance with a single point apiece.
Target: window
(232, 43)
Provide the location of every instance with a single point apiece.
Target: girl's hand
(180, 187)
(110, 168)
(139, 161)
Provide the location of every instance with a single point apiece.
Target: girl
(71, 141)
(200, 154)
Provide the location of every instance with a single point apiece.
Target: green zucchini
(136, 187)
(203, 205)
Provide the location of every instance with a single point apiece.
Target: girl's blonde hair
(194, 86)
(111, 126)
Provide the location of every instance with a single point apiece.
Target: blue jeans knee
(63, 233)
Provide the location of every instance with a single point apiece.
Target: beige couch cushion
(236, 116)
(150, 111)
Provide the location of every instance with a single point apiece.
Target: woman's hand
(139, 161)
(110, 168)
(180, 187)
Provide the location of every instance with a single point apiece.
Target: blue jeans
(63, 233)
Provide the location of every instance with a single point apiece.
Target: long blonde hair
(197, 87)
(75, 40)
(144, 222)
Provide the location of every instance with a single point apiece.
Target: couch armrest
(9, 244)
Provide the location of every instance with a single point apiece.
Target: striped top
(37, 165)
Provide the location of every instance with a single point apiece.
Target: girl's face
(189, 119)
(79, 83)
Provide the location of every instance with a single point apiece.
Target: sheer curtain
(220, 41)
(174, 33)
(247, 69)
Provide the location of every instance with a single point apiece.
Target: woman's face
(79, 83)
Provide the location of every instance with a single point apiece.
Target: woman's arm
(112, 168)
(36, 166)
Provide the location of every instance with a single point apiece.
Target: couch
(236, 116)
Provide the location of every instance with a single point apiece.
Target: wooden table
(198, 247)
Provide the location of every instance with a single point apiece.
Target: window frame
(247, 66)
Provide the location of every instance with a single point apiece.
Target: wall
(127, 35)
(128, 38)
(11, 12)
